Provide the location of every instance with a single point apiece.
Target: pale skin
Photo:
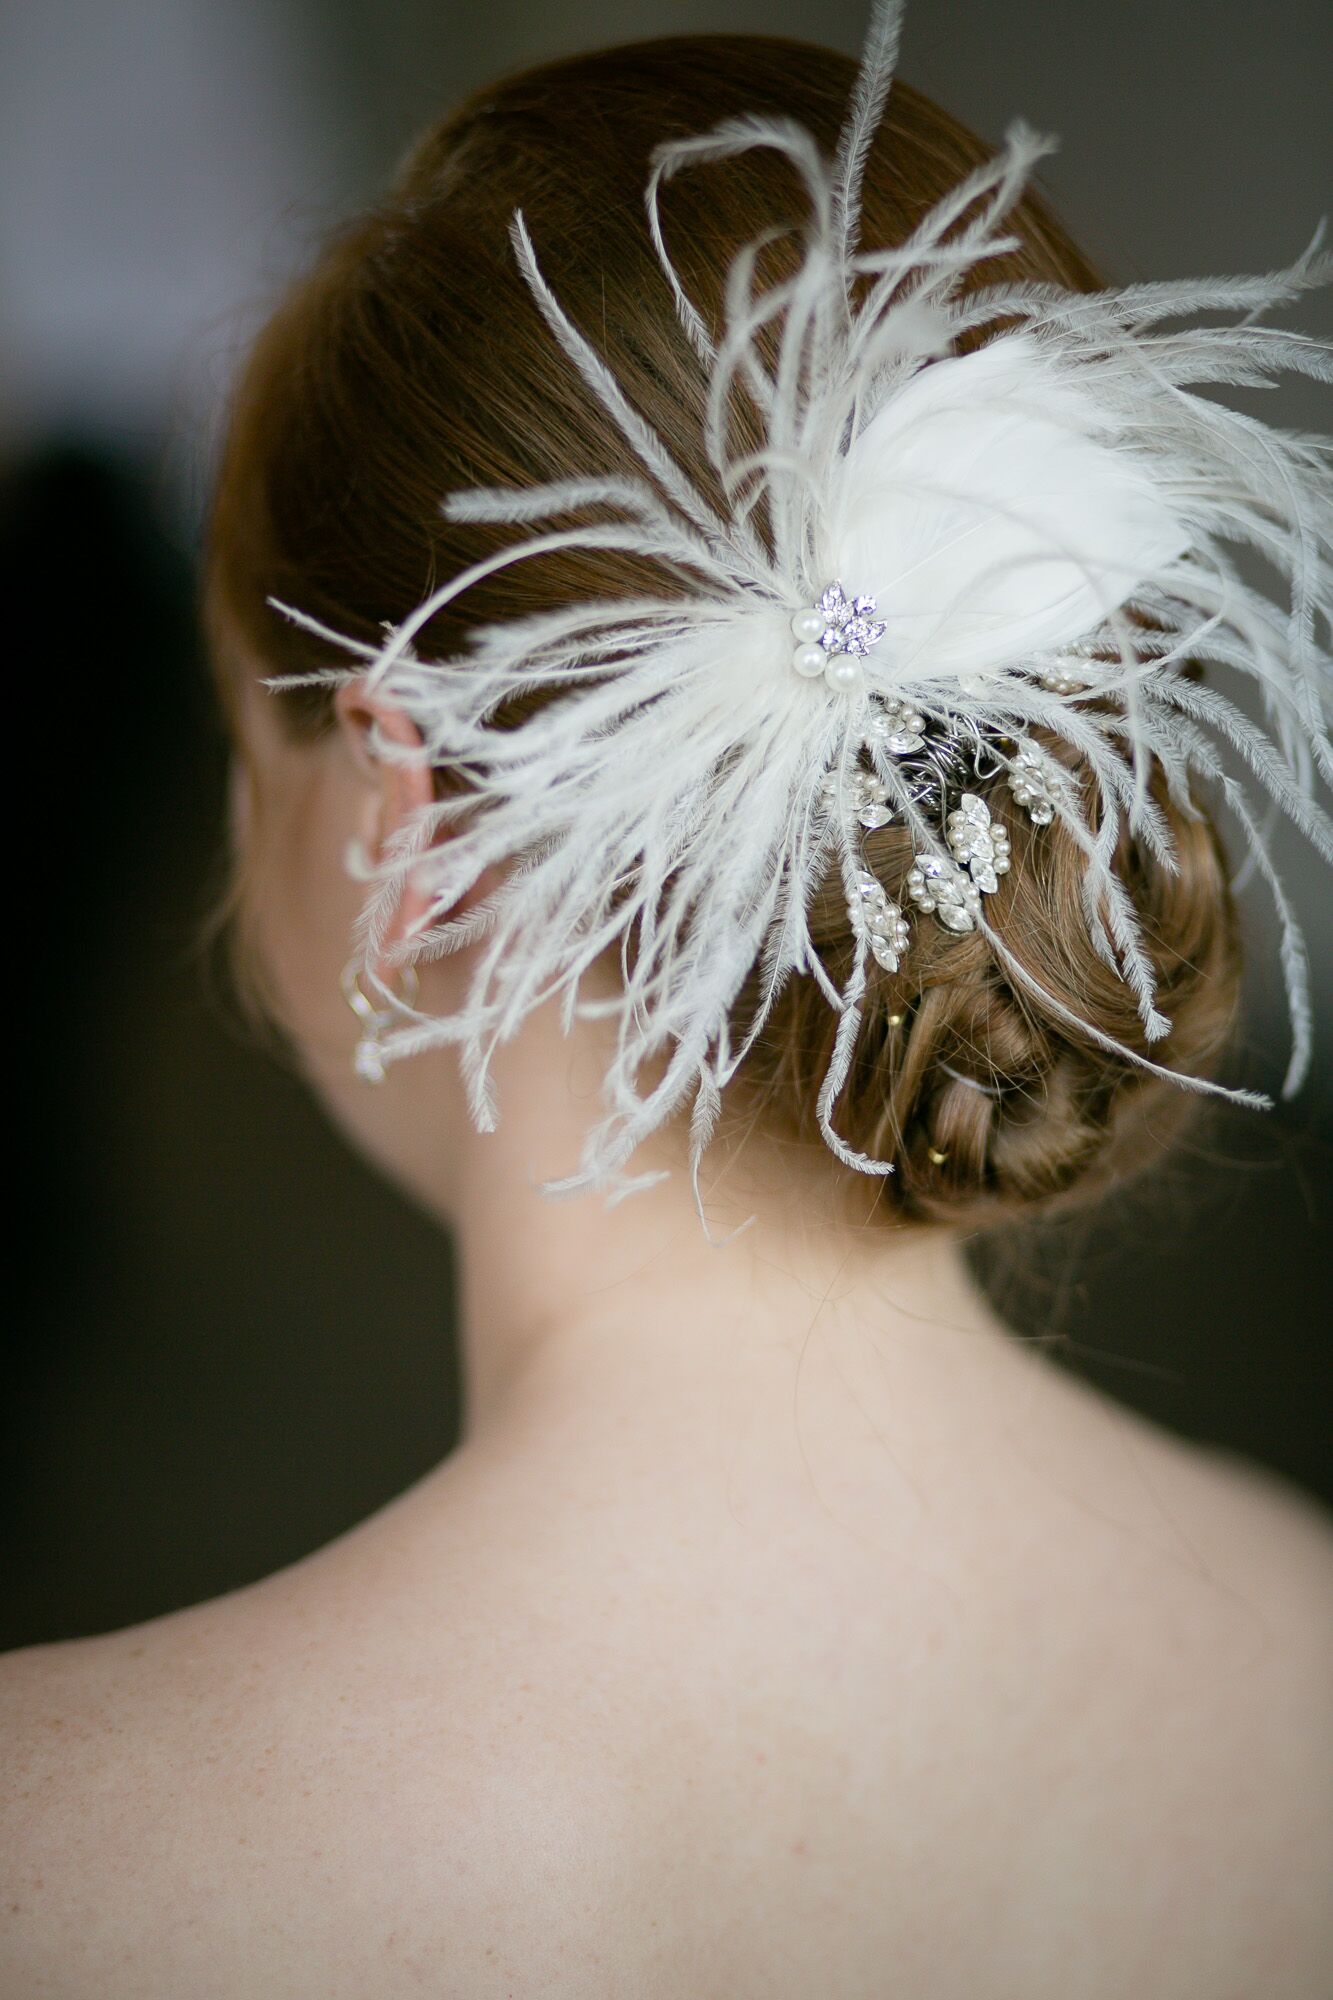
(784, 1627)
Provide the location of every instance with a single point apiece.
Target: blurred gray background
(229, 1341)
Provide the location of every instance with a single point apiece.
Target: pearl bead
(843, 673)
(808, 625)
(809, 660)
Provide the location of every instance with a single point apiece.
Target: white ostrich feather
(1016, 513)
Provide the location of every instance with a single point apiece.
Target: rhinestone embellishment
(977, 843)
(933, 756)
(953, 889)
(851, 627)
(835, 634)
(867, 795)
(885, 925)
(942, 886)
(899, 728)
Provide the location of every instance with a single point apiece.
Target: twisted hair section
(986, 1103)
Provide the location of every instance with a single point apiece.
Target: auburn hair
(411, 360)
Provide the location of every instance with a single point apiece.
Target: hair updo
(413, 361)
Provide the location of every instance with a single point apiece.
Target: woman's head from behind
(411, 363)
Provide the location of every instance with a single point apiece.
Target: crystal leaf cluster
(885, 925)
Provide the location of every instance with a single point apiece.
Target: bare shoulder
(1269, 1540)
(1237, 1568)
(402, 1769)
(1272, 1543)
(1233, 1714)
(186, 1805)
(296, 1788)
(100, 1741)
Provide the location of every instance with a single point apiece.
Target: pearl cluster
(834, 635)
(1032, 784)
(1059, 680)
(367, 1061)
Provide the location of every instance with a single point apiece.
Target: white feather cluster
(1050, 527)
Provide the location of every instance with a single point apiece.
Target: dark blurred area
(229, 1340)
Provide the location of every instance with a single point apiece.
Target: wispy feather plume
(1057, 509)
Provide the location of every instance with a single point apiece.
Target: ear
(393, 788)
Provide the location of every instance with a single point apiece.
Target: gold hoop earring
(368, 1056)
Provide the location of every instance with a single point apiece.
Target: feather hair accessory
(966, 553)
